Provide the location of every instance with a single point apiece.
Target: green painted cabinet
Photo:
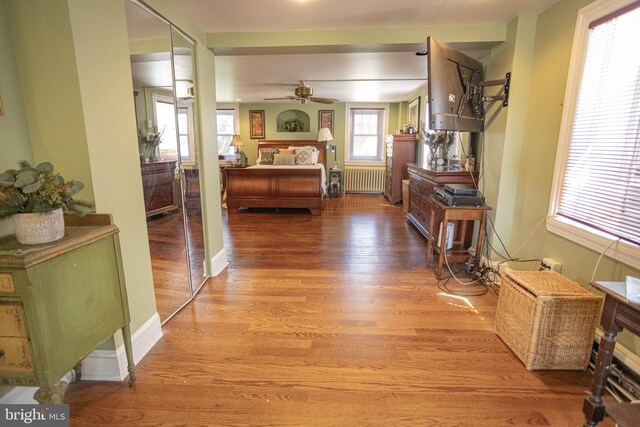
(59, 302)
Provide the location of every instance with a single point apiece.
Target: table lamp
(324, 134)
(236, 141)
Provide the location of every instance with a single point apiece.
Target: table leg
(126, 335)
(480, 240)
(53, 395)
(430, 234)
(443, 244)
(593, 407)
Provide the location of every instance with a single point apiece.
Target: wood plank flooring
(331, 321)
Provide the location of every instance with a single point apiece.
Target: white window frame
(579, 233)
(385, 127)
(236, 119)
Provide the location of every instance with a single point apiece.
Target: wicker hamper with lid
(547, 320)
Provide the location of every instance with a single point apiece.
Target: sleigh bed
(268, 186)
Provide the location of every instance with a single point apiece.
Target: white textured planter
(36, 228)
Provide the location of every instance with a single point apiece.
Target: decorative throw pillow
(285, 151)
(304, 156)
(266, 155)
(284, 159)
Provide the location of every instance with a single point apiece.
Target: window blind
(601, 186)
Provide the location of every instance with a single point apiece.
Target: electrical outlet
(551, 264)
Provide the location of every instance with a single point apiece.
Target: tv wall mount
(505, 83)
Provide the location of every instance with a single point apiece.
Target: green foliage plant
(293, 125)
(39, 190)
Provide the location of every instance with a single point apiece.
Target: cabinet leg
(126, 335)
(53, 395)
(593, 407)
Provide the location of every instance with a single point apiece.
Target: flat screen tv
(455, 94)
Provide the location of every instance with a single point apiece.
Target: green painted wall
(271, 112)
(85, 122)
(480, 34)
(502, 141)
(554, 37)
(15, 143)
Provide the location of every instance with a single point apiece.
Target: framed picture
(413, 116)
(325, 120)
(256, 120)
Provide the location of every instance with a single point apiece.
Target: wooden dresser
(158, 186)
(399, 150)
(58, 302)
(422, 180)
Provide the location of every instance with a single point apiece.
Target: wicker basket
(547, 320)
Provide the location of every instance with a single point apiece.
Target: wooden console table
(58, 302)
(465, 215)
(618, 313)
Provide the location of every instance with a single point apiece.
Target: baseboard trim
(19, 396)
(111, 365)
(219, 262)
(623, 354)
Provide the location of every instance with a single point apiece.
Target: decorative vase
(37, 228)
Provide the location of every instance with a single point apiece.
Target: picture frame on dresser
(256, 122)
(325, 119)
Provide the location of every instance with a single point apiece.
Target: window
(596, 197)
(227, 119)
(366, 134)
(164, 112)
(185, 130)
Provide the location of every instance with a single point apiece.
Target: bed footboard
(274, 188)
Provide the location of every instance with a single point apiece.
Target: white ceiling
(354, 76)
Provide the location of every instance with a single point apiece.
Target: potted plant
(149, 143)
(36, 199)
(293, 125)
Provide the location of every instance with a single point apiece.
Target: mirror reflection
(161, 68)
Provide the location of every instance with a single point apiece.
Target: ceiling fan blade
(323, 100)
(294, 98)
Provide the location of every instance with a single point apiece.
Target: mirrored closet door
(162, 73)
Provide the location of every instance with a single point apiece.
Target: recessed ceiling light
(238, 99)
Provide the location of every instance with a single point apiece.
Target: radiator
(364, 179)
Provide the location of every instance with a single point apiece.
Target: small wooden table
(58, 302)
(466, 215)
(617, 313)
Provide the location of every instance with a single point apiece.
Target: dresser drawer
(6, 284)
(15, 355)
(12, 320)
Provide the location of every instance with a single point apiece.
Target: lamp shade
(324, 134)
(237, 141)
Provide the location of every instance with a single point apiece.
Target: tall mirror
(183, 55)
(162, 74)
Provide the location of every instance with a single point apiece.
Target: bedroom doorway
(162, 60)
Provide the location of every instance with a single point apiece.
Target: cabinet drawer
(12, 320)
(6, 284)
(151, 181)
(15, 355)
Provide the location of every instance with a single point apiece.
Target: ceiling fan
(304, 94)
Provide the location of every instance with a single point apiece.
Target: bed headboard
(320, 145)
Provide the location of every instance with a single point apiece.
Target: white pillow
(315, 153)
(304, 156)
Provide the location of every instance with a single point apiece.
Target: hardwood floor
(333, 321)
